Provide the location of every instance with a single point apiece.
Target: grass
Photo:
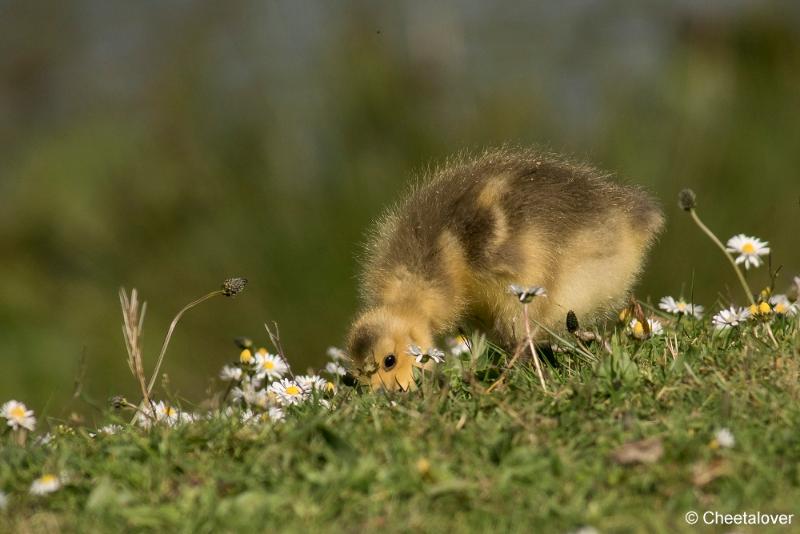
(452, 457)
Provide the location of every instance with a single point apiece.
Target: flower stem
(533, 349)
(736, 269)
(172, 329)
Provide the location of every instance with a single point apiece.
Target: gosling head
(378, 345)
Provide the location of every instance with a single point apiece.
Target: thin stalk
(510, 365)
(719, 244)
(533, 349)
(172, 329)
(580, 350)
(736, 269)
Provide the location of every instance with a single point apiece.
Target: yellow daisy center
(638, 329)
(764, 308)
(780, 307)
(47, 479)
(293, 390)
(748, 248)
(682, 306)
(246, 356)
(268, 364)
(18, 412)
(262, 351)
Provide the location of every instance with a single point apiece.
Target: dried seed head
(117, 402)
(233, 286)
(572, 322)
(687, 200)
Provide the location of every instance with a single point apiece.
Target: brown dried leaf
(646, 451)
(705, 472)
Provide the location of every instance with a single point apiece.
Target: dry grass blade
(645, 451)
(275, 339)
(518, 353)
(132, 323)
(533, 348)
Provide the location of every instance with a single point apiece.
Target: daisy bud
(233, 286)
(243, 343)
(572, 322)
(687, 200)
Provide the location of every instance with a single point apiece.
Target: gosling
(444, 256)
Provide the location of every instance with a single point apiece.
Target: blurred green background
(169, 145)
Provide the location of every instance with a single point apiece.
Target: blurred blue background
(169, 145)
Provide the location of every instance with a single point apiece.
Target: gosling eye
(389, 361)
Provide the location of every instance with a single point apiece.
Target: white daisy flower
(269, 366)
(44, 439)
(160, 413)
(681, 307)
(436, 355)
(3, 500)
(251, 393)
(335, 369)
(262, 398)
(416, 352)
(423, 356)
(636, 329)
(750, 250)
(45, 484)
(730, 318)
(312, 382)
(190, 417)
(167, 414)
(273, 415)
(782, 305)
(18, 415)
(231, 373)
(288, 391)
(526, 294)
(247, 391)
(110, 429)
(276, 414)
(724, 438)
(337, 355)
(458, 345)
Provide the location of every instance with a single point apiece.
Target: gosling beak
(402, 381)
